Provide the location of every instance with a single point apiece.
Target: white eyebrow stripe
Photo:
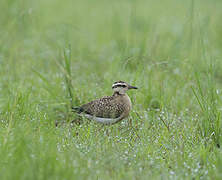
(117, 84)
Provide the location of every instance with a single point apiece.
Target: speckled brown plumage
(109, 109)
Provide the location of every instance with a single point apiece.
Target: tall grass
(54, 55)
(209, 101)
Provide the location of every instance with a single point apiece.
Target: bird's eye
(123, 86)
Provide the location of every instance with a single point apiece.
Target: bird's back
(108, 107)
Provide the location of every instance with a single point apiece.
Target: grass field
(171, 50)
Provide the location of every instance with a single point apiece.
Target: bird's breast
(127, 101)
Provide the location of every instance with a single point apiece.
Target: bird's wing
(105, 108)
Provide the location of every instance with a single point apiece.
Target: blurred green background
(171, 50)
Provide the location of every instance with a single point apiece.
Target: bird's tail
(77, 109)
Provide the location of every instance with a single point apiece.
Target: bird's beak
(132, 87)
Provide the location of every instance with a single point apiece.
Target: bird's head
(121, 87)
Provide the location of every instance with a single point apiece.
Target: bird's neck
(117, 93)
(123, 98)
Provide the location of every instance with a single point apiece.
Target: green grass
(55, 54)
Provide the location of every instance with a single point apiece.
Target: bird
(109, 109)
